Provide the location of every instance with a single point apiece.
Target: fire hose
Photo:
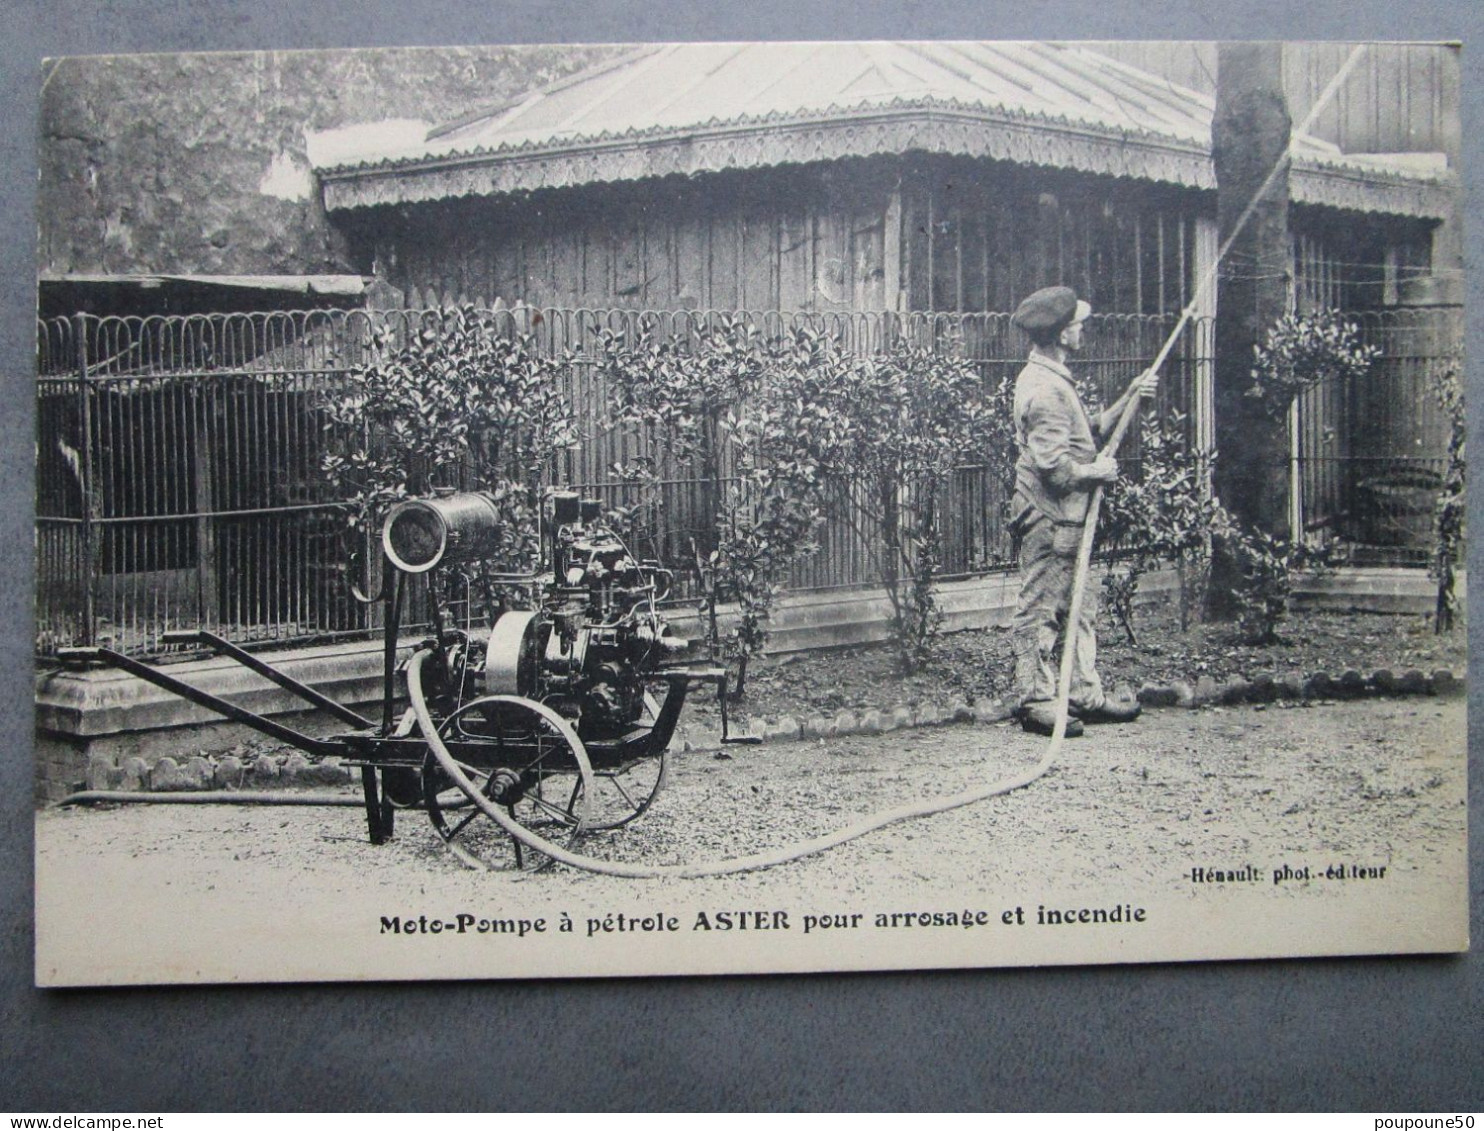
(761, 860)
(868, 824)
(224, 797)
(771, 859)
(750, 863)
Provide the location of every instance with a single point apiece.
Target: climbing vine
(1452, 504)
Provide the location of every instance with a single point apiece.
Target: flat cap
(1049, 309)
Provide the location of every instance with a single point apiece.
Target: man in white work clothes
(1057, 469)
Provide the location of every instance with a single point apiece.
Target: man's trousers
(1048, 559)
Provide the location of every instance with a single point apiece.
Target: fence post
(89, 493)
(1296, 472)
(204, 410)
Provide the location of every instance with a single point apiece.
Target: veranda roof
(690, 108)
(188, 294)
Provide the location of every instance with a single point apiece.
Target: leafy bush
(1268, 567)
(885, 433)
(785, 438)
(1299, 352)
(457, 400)
(804, 429)
(684, 389)
(724, 401)
(922, 416)
(1161, 513)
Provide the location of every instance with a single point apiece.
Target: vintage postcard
(571, 511)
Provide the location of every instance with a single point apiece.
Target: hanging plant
(1304, 350)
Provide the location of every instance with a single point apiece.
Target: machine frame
(562, 715)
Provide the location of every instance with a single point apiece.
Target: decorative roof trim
(1355, 189)
(971, 131)
(928, 125)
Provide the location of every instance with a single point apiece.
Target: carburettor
(596, 634)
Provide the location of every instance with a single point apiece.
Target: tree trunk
(1249, 140)
(711, 492)
(891, 560)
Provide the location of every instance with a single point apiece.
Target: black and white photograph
(748, 507)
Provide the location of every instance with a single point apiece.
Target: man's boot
(1040, 718)
(1110, 711)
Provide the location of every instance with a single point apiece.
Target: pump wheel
(520, 755)
(623, 792)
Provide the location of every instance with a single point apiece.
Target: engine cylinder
(419, 534)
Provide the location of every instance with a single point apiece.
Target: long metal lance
(1198, 298)
(1131, 409)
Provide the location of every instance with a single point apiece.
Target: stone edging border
(268, 771)
(1282, 691)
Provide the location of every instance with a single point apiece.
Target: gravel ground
(214, 893)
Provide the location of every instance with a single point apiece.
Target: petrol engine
(595, 636)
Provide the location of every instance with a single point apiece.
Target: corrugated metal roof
(675, 93)
(678, 85)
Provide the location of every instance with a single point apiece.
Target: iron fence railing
(1369, 455)
(179, 479)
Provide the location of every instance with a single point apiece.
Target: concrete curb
(207, 772)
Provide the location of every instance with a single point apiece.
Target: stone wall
(197, 164)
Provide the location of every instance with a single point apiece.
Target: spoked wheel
(621, 793)
(531, 763)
